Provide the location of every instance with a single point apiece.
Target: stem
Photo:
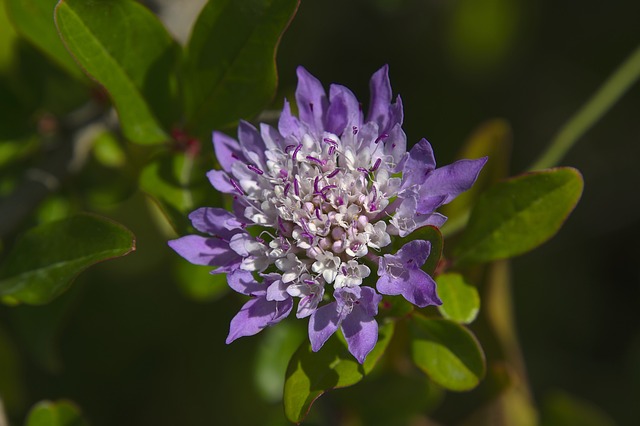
(606, 96)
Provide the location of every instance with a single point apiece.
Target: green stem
(606, 96)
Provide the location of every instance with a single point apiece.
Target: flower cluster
(316, 202)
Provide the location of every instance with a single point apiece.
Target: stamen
(315, 184)
(281, 225)
(295, 152)
(316, 160)
(284, 174)
(327, 188)
(286, 190)
(381, 137)
(296, 187)
(309, 282)
(288, 148)
(318, 213)
(375, 193)
(330, 141)
(236, 186)
(363, 170)
(355, 130)
(332, 149)
(255, 169)
(376, 165)
(333, 173)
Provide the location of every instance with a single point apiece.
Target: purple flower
(259, 312)
(327, 192)
(400, 273)
(352, 311)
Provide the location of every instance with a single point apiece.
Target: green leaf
(125, 48)
(46, 259)
(198, 283)
(460, 300)
(8, 38)
(447, 352)
(34, 20)
(491, 139)
(311, 374)
(519, 214)
(274, 351)
(177, 183)
(230, 69)
(61, 413)
(427, 233)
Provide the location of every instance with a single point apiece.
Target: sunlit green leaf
(198, 283)
(519, 214)
(460, 300)
(447, 352)
(34, 20)
(60, 413)
(310, 374)
(275, 349)
(45, 260)
(125, 48)
(108, 151)
(230, 69)
(177, 183)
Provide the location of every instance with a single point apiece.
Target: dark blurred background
(131, 348)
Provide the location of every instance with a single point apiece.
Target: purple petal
(361, 332)
(244, 282)
(277, 290)
(255, 315)
(395, 145)
(227, 150)
(221, 181)
(204, 251)
(420, 162)
(344, 110)
(271, 137)
(251, 143)
(311, 99)
(416, 286)
(453, 179)
(380, 88)
(322, 324)
(427, 205)
(413, 254)
(215, 221)
(288, 124)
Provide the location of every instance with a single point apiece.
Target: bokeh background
(131, 345)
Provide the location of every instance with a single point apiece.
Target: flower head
(317, 203)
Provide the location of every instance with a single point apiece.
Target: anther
(376, 165)
(381, 137)
(286, 189)
(295, 152)
(255, 169)
(296, 187)
(236, 186)
(316, 160)
(333, 173)
(355, 130)
(288, 148)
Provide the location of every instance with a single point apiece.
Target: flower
(317, 203)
